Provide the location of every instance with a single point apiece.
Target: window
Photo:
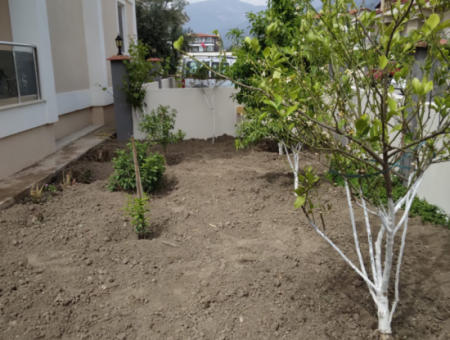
(194, 49)
(122, 24)
(18, 74)
(120, 15)
(209, 48)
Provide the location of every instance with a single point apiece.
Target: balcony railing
(19, 75)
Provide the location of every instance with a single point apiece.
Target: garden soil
(230, 259)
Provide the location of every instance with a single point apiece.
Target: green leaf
(433, 21)
(311, 37)
(383, 61)
(291, 109)
(278, 100)
(215, 32)
(397, 127)
(392, 104)
(361, 126)
(261, 117)
(248, 40)
(270, 28)
(255, 44)
(271, 103)
(428, 87)
(300, 201)
(407, 47)
(276, 74)
(417, 85)
(444, 25)
(177, 44)
(266, 52)
(293, 94)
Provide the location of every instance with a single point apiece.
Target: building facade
(204, 43)
(52, 69)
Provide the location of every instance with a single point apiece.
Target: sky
(253, 2)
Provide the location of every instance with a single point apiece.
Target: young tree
(158, 126)
(330, 86)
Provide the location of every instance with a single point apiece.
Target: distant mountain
(370, 4)
(221, 15)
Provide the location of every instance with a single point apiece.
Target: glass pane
(8, 82)
(26, 73)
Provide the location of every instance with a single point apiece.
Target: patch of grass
(373, 189)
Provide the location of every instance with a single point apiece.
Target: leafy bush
(151, 168)
(158, 126)
(420, 207)
(136, 208)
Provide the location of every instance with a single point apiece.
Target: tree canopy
(159, 23)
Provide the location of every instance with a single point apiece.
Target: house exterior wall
(72, 122)
(25, 149)
(73, 39)
(5, 22)
(130, 21)
(67, 37)
(110, 29)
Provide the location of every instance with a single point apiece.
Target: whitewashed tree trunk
(378, 285)
(294, 161)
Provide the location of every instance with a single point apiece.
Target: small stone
(88, 262)
(356, 316)
(125, 261)
(58, 298)
(14, 242)
(90, 279)
(107, 239)
(227, 224)
(277, 282)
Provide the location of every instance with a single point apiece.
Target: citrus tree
(335, 86)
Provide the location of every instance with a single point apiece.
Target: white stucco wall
(195, 117)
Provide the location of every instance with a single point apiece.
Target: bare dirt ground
(232, 260)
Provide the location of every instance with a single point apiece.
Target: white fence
(195, 116)
(196, 119)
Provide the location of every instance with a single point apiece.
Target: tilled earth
(231, 259)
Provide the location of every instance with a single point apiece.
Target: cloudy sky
(253, 2)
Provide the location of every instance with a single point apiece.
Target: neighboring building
(204, 43)
(415, 22)
(52, 67)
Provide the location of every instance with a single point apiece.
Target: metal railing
(19, 73)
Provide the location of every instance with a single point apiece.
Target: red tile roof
(201, 35)
(154, 60)
(118, 57)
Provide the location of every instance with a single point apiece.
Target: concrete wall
(67, 36)
(195, 117)
(435, 187)
(25, 149)
(5, 22)
(72, 122)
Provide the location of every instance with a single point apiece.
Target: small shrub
(136, 208)
(158, 126)
(36, 193)
(151, 168)
(420, 207)
(51, 188)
